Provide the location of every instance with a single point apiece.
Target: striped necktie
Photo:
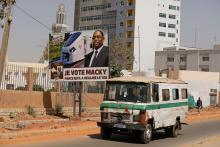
(95, 58)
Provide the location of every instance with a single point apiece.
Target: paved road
(190, 134)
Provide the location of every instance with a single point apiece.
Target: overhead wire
(25, 12)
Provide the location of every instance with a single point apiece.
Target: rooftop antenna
(195, 43)
(195, 38)
(214, 40)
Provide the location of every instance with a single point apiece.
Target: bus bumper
(122, 126)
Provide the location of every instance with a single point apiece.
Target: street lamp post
(139, 49)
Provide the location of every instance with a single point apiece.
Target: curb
(13, 124)
(12, 135)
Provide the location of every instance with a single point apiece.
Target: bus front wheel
(105, 133)
(146, 135)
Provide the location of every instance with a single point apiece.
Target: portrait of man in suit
(99, 56)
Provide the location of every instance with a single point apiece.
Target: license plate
(121, 126)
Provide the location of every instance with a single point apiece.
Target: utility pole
(139, 49)
(5, 4)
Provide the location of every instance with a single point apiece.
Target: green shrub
(51, 90)
(37, 88)
(12, 114)
(59, 109)
(20, 88)
(30, 111)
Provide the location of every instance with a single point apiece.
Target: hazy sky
(28, 36)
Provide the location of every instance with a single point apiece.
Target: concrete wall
(21, 99)
(200, 84)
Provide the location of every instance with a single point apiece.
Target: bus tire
(168, 131)
(105, 133)
(175, 129)
(146, 135)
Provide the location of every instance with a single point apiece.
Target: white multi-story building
(158, 22)
(15, 75)
(157, 25)
(116, 16)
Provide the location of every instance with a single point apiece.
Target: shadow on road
(129, 138)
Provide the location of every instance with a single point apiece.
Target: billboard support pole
(80, 97)
(74, 99)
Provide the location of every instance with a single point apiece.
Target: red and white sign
(86, 74)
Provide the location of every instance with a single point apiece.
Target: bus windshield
(129, 92)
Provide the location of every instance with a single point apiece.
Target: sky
(28, 37)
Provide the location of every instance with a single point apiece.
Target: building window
(182, 67)
(121, 24)
(213, 90)
(122, 3)
(7, 77)
(129, 44)
(171, 35)
(172, 16)
(182, 58)
(205, 68)
(162, 15)
(162, 34)
(10, 86)
(121, 35)
(16, 73)
(171, 7)
(171, 26)
(170, 59)
(206, 58)
(96, 7)
(166, 94)
(162, 24)
(176, 39)
(44, 75)
(178, 8)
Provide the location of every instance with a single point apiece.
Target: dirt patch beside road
(206, 113)
(75, 127)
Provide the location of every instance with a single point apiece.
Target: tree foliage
(116, 72)
(37, 88)
(20, 88)
(121, 56)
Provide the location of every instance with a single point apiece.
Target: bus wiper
(123, 99)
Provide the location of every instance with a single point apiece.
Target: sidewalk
(77, 127)
(15, 129)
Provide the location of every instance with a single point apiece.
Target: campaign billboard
(81, 56)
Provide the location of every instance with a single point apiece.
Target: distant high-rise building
(158, 22)
(60, 25)
(159, 27)
(113, 15)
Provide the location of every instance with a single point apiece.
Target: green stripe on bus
(143, 107)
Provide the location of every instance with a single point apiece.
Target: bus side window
(166, 94)
(145, 93)
(184, 93)
(155, 92)
(175, 93)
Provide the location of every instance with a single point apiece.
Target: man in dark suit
(99, 56)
